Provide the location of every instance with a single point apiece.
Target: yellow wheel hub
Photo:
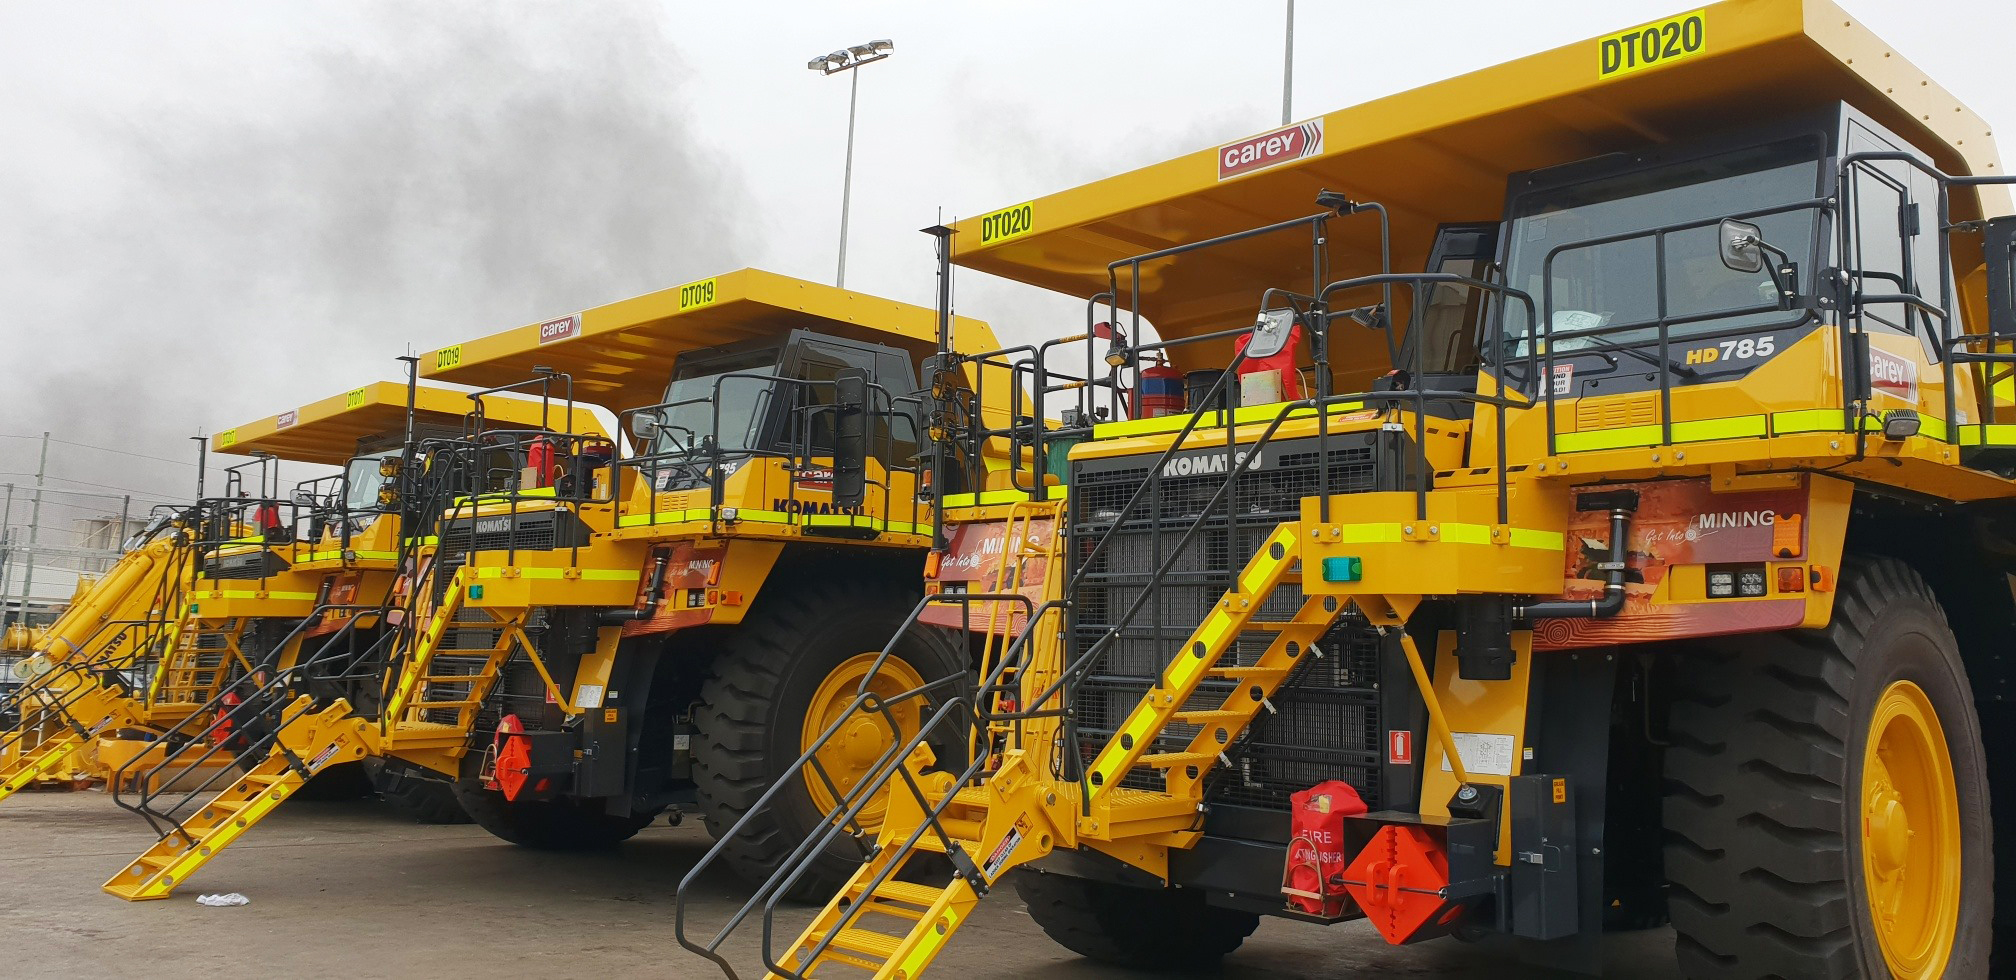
(849, 756)
(1910, 834)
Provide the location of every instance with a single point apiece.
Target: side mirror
(1738, 242)
(850, 437)
(1271, 332)
(644, 426)
(1998, 247)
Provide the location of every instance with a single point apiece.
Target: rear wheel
(1138, 928)
(785, 677)
(1827, 797)
(547, 825)
(420, 798)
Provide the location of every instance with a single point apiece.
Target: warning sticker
(1400, 747)
(325, 756)
(588, 696)
(1484, 754)
(1000, 856)
(1673, 39)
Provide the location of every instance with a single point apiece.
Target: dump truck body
(704, 594)
(1590, 502)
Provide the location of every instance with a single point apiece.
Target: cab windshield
(702, 387)
(1587, 255)
(362, 482)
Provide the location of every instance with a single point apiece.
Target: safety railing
(1955, 347)
(784, 425)
(242, 721)
(953, 707)
(1609, 340)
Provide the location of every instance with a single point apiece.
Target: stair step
(930, 842)
(1170, 760)
(879, 945)
(1230, 671)
(909, 892)
(1209, 717)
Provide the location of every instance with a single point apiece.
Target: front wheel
(785, 677)
(1827, 797)
(1139, 928)
(547, 825)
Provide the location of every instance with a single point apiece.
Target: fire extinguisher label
(1400, 747)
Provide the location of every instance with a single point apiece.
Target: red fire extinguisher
(1162, 391)
(1282, 361)
(539, 459)
(1313, 878)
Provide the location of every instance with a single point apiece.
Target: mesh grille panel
(1325, 724)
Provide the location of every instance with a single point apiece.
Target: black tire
(417, 798)
(751, 717)
(340, 782)
(547, 825)
(1165, 929)
(1763, 810)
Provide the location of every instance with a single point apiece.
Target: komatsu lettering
(493, 525)
(810, 507)
(1208, 464)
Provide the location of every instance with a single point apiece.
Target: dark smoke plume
(419, 174)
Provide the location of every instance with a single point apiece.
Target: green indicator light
(1343, 568)
(475, 592)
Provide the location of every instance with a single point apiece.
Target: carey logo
(285, 419)
(1209, 464)
(561, 329)
(1270, 149)
(1892, 375)
(815, 478)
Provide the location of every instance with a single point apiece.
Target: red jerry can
(1313, 879)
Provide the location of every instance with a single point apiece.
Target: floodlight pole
(1288, 70)
(849, 60)
(847, 175)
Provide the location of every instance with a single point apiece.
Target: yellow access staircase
(429, 716)
(61, 714)
(308, 742)
(886, 925)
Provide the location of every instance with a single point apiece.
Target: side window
(1450, 319)
(812, 426)
(1878, 241)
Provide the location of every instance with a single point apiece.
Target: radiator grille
(1326, 723)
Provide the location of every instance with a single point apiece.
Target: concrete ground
(347, 890)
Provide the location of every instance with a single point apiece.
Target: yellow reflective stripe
(666, 517)
(585, 574)
(1932, 428)
(1739, 427)
(1808, 420)
(1368, 533)
(1697, 430)
(247, 594)
(1211, 420)
(1451, 532)
(1993, 434)
(1528, 538)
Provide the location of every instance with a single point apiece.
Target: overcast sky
(213, 212)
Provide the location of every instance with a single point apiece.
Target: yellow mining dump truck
(293, 609)
(1592, 500)
(81, 675)
(670, 627)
